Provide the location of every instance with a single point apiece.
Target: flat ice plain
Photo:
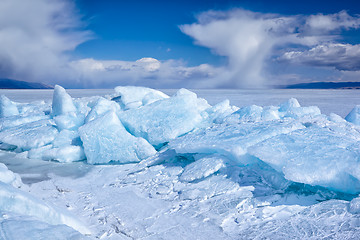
(137, 164)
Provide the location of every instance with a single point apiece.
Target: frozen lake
(140, 167)
(339, 101)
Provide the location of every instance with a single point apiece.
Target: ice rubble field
(138, 164)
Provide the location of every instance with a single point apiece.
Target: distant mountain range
(6, 83)
(15, 84)
(324, 85)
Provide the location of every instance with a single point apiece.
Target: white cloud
(38, 36)
(351, 76)
(251, 40)
(146, 72)
(241, 36)
(344, 57)
(323, 24)
(37, 39)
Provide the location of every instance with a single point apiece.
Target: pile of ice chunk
(134, 97)
(105, 139)
(135, 123)
(161, 121)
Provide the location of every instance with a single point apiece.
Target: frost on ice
(182, 169)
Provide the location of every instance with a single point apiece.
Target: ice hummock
(289, 138)
(62, 102)
(166, 119)
(30, 135)
(326, 158)
(354, 115)
(7, 107)
(105, 139)
(132, 97)
(225, 170)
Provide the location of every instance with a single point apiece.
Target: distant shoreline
(16, 84)
(6, 83)
(323, 85)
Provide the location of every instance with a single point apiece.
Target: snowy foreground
(138, 164)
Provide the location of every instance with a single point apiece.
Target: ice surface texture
(105, 139)
(18, 207)
(7, 107)
(62, 102)
(207, 171)
(133, 97)
(354, 115)
(167, 119)
(298, 142)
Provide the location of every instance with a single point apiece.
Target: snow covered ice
(141, 164)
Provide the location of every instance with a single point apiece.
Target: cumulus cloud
(244, 37)
(251, 41)
(146, 72)
(35, 37)
(344, 57)
(324, 24)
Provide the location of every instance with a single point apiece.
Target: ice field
(138, 163)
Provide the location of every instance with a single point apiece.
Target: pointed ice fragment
(62, 102)
(7, 107)
(291, 103)
(354, 115)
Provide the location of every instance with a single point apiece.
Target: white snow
(19, 202)
(8, 177)
(24, 227)
(139, 164)
(202, 168)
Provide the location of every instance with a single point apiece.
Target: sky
(174, 44)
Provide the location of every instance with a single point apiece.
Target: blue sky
(173, 44)
(131, 30)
